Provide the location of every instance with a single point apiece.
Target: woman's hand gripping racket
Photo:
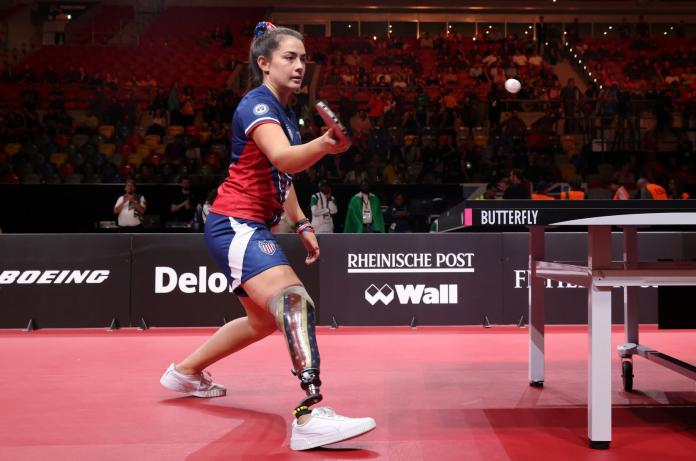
(337, 130)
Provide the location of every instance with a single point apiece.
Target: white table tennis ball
(513, 85)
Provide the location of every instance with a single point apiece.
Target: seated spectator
(476, 72)
(383, 79)
(356, 175)
(519, 59)
(536, 60)
(393, 172)
(159, 124)
(398, 81)
(650, 191)
(490, 59)
(491, 192)
(352, 59)
(347, 78)
(517, 188)
(449, 77)
(360, 124)
(376, 108)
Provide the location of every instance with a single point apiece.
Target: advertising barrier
(373, 279)
(176, 283)
(64, 280)
(361, 279)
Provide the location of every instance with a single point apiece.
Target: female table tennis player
(266, 152)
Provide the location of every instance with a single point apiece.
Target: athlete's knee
(291, 304)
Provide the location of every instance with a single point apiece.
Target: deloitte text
(167, 280)
(56, 277)
(411, 294)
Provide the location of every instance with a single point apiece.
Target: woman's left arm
(309, 239)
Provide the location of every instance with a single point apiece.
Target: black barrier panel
(388, 279)
(567, 304)
(86, 280)
(176, 283)
(64, 280)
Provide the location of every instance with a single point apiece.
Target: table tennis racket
(332, 121)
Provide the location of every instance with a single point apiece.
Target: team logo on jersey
(268, 247)
(260, 109)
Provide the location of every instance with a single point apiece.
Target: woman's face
(286, 68)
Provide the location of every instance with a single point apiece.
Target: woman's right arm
(272, 141)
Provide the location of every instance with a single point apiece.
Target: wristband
(306, 227)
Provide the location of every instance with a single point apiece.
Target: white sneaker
(198, 385)
(326, 427)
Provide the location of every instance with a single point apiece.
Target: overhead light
(374, 37)
(611, 27)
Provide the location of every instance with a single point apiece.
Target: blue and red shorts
(241, 248)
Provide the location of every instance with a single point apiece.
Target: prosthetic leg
(293, 310)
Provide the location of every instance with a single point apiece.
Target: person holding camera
(130, 208)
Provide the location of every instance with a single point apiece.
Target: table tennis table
(598, 274)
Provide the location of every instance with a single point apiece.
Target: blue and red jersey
(255, 189)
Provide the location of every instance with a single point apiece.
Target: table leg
(631, 321)
(536, 308)
(630, 254)
(599, 326)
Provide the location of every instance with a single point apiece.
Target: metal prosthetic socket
(293, 310)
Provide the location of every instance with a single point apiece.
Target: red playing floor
(436, 393)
